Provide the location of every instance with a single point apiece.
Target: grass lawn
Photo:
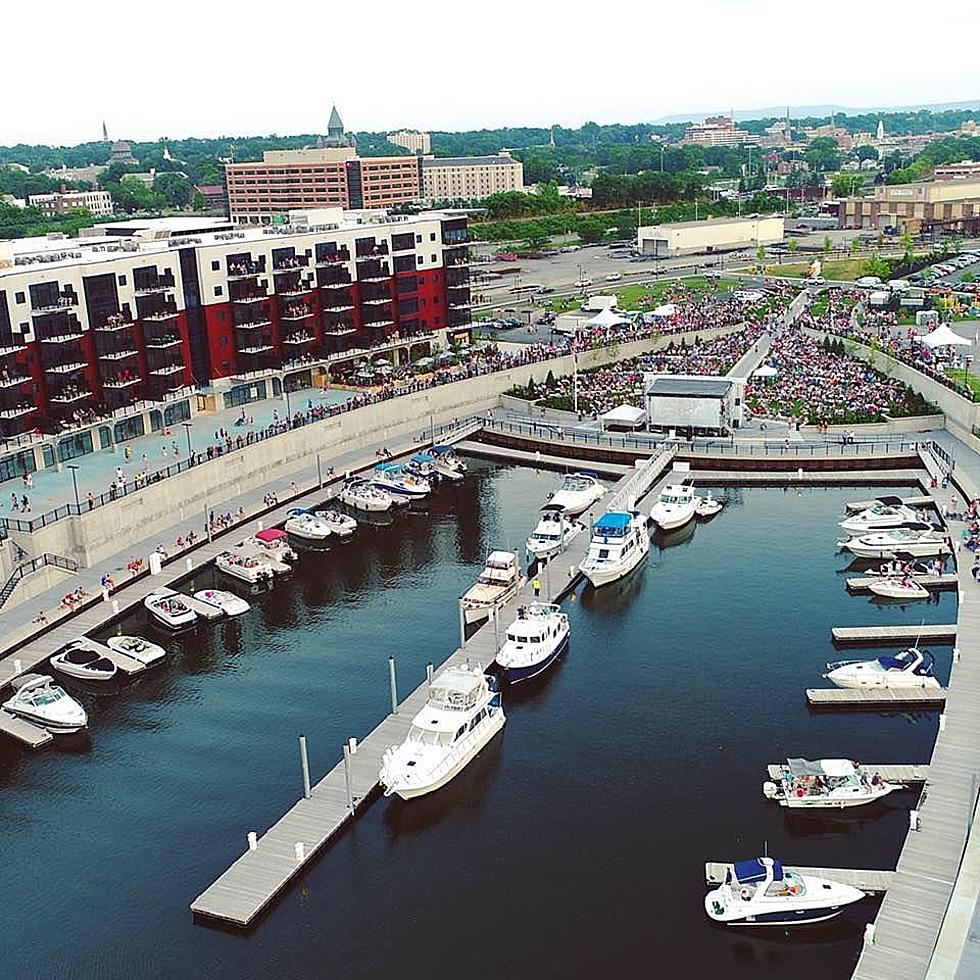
(958, 374)
(646, 296)
(846, 269)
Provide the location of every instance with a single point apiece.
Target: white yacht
(708, 505)
(884, 513)
(399, 482)
(552, 533)
(578, 492)
(247, 568)
(462, 713)
(273, 545)
(136, 647)
(170, 610)
(675, 506)
(917, 541)
(761, 892)
(341, 525)
(835, 784)
(41, 701)
(306, 525)
(447, 463)
(227, 602)
(619, 543)
(901, 588)
(84, 661)
(361, 494)
(535, 640)
(910, 668)
(497, 585)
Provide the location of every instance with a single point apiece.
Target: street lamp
(187, 428)
(74, 483)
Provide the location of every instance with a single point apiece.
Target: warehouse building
(926, 207)
(714, 234)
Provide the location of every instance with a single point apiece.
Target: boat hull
(80, 673)
(368, 504)
(607, 575)
(670, 521)
(50, 724)
(515, 675)
(786, 918)
(843, 803)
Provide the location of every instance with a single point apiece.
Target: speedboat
(245, 567)
(273, 543)
(400, 482)
(910, 668)
(676, 505)
(170, 610)
(884, 513)
(229, 603)
(361, 494)
(761, 892)
(341, 525)
(826, 783)
(899, 587)
(423, 465)
(84, 661)
(535, 640)
(307, 525)
(136, 647)
(497, 585)
(578, 492)
(447, 463)
(619, 543)
(708, 505)
(552, 533)
(462, 713)
(916, 540)
(41, 701)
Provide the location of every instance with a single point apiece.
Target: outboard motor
(770, 790)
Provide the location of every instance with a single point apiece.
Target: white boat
(83, 660)
(497, 585)
(620, 541)
(341, 525)
(462, 713)
(229, 603)
(423, 465)
(136, 647)
(307, 525)
(552, 533)
(761, 892)
(675, 506)
(902, 588)
(708, 505)
(910, 668)
(835, 784)
(399, 482)
(170, 610)
(41, 701)
(534, 641)
(363, 495)
(273, 545)
(884, 513)
(578, 492)
(447, 463)
(917, 541)
(248, 568)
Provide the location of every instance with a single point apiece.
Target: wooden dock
(929, 581)
(855, 506)
(33, 736)
(876, 697)
(564, 464)
(889, 773)
(879, 636)
(871, 881)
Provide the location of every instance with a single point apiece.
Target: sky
(217, 68)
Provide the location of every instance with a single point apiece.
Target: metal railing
(25, 568)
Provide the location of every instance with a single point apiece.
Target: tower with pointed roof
(335, 130)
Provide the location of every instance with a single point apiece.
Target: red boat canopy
(270, 535)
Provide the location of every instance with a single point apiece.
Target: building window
(432, 258)
(215, 265)
(432, 236)
(122, 280)
(19, 298)
(217, 290)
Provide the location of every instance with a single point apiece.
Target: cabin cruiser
(361, 494)
(535, 640)
(341, 525)
(497, 585)
(619, 543)
(226, 602)
(41, 701)
(307, 525)
(400, 482)
(462, 713)
(761, 892)
(273, 544)
(884, 513)
(899, 587)
(423, 465)
(917, 540)
(447, 463)
(552, 533)
(245, 567)
(578, 492)
(84, 661)
(826, 783)
(136, 647)
(170, 610)
(708, 505)
(910, 668)
(676, 505)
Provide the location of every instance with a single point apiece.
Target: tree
(828, 244)
(197, 202)
(174, 188)
(843, 184)
(866, 152)
(590, 231)
(821, 154)
(791, 246)
(876, 266)
(761, 253)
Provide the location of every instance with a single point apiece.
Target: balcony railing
(8, 380)
(455, 239)
(298, 339)
(18, 411)
(256, 349)
(376, 252)
(245, 270)
(120, 383)
(375, 273)
(162, 343)
(148, 288)
(374, 300)
(298, 290)
(63, 302)
(377, 324)
(62, 338)
(160, 316)
(301, 313)
(166, 370)
(250, 298)
(65, 368)
(253, 324)
(292, 265)
(70, 395)
(339, 330)
(114, 323)
(118, 355)
(333, 258)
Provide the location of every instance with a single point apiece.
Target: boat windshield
(790, 885)
(576, 484)
(445, 697)
(421, 737)
(45, 696)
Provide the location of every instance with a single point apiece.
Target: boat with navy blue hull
(535, 640)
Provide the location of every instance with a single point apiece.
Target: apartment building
(412, 140)
(98, 203)
(926, 207)
(105, 322)
(717, 131)
(470, 178)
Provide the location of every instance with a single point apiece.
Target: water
(574, 844)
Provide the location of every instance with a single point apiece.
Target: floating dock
(876, 697)
(24, 731)
(486, 450)
(889, 773)
(879, 636)
(929, 581)
(856, 506)
(875, 882)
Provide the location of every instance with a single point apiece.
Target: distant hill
(804, 111)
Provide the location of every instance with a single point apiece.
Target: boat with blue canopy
(400, 482)
(620, 541)
(910, 668)
(447, 463)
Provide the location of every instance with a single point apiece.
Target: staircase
(25, 568)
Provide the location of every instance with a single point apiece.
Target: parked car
(614, 277)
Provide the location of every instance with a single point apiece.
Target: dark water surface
(573, 846)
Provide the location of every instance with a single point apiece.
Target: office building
(97, 203)
(717, 131)
(926, 207)
(412, 140)
(470, 178)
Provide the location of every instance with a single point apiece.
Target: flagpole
(575, 374)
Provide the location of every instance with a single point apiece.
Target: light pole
(74, 483)
(187, 428)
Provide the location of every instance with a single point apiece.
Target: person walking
(536, 585)
(14, 502)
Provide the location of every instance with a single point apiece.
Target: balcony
(340, 284)
(375, 300)
(291, 265)
(374, 252)
(118, 384)
(161, 316)
(336, 307)
(455, 239)
(376, 272)
(161, 284)
(297, 313)
(117, 355)
(298, 339)
(167, 370)
(253, 324)
(256, 349)
(114, 323)
(245, 270)
(18, 411)
(377, 324)
(62, 338)
(68, 368)
(65, 301)
(339, 330)
(250, 299)
(162, 343)
(8, 380)
(292, 291)
(455, 260)
(70, 394)
(333, 258)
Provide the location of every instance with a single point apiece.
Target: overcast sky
(211, 67)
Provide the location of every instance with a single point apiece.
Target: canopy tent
(626, 415)
(943, 336)
(668, 309)
(607, 318)
(766, 371)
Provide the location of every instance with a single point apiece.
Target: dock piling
(299, 851)
(392, 684)
(319, 472)
(428, 674)
(305, 764)
(18, 665)
(347, 786)
(462, 627)
(913, 819)
(253, 840)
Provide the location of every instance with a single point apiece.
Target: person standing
(536, 585)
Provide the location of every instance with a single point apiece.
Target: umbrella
(943, 336)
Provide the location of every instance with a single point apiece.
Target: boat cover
(296, 511)
(822, 767)
(613, 521)
(269, 535)
(890, 501)
(422, 458)
(440, 450)
(553, 509)
(755, 870)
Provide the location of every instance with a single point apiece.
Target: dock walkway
(889, 773)
(865, 879)
(876, 697)
(929, 581)
(875, 636)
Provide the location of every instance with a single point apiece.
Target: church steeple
(105, 132)
(335, 128)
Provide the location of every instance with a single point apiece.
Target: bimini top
(822, 767)
(439, 450)
(422, 458)
(390, 467)
(270, 535)
(296, 511)
(613, 522)
(747, 872)
(501, 559)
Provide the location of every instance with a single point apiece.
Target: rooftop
(690, 387)
(498, 159)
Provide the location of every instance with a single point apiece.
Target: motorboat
(535, 640)
(39, 700)
(361, 494)
(84, 661)
(229, 603)
(707, 505)
(307, 525)
(883, 514)
(462, 713)
(619, 543)
(497, 585)
(247, 568)
(273, 543)
(901, 588)
(578, 492)
(909, 668)
(825, 784)
(447, 463)
(761, 892)
(398, 481)
(136, 647)
(552, 533)
(341, 525)
(890, 568)
(916, 540)
(170, 610)
(676, 505)
(423, 465)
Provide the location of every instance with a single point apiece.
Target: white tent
(607, 318)
(766, 371)
(668, 309)
(624, 415)
(942, 336)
